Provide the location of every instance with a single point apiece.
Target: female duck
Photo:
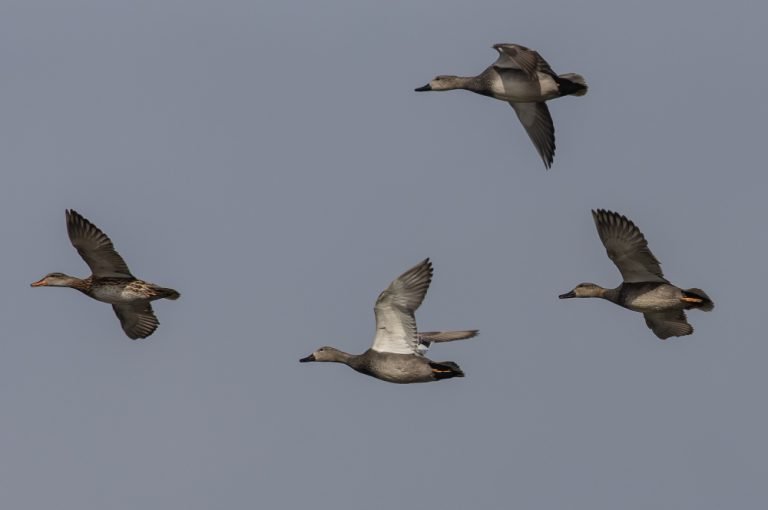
(111, 281)
(521, 77)
(644, 288)
(398, 350)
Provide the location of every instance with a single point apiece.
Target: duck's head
(584, 290)
(55, 280)
(324, 354)
(441, 83)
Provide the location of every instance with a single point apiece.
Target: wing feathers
(426, 338)
(667, 324)
(538, 124)
(395, 307)
(445, 336)
(515, 56)
(138, 320)
(95, 248)
(627, 248)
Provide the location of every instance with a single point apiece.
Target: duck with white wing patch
(398, 351)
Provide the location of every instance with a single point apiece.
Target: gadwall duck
(398, 351)
(644, 288)
(111, 281)
(523, 78)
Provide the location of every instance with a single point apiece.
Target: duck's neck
(472, 83)
(611, 294)
(597, 291)
(342, 357)
(83, 285)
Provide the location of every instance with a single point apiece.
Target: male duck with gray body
(398, 351)
(644, 288)
(523, 78)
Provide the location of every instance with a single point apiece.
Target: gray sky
(272, 162)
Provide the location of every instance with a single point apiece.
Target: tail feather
(445, 370)
(706, 305)
(169, 293)
(572, 84)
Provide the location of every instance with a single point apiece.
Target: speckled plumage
(111, 281)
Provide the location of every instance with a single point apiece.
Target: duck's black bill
(567, 295)
(309, 358)
(423, 89)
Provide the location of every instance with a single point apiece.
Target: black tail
(704, 304)
(169, 293)
(571, 84)
(445, 370)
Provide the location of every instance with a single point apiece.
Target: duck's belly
(661, 298)
(399, 369)
(525, 91)
(116, 295)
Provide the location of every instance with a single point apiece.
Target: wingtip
(430, 268)
(605, 216)
(426, 263)
(73, 217)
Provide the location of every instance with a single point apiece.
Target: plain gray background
(271, 161)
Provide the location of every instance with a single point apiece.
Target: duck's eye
(438, 79)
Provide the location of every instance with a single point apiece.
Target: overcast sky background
(271, 161)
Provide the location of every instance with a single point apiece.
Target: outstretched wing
(95, 247)
(515, 56)
(627, 248)
(538, 124)
(427, 338)
(667, 324)
(138, 320)
(395, 307)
